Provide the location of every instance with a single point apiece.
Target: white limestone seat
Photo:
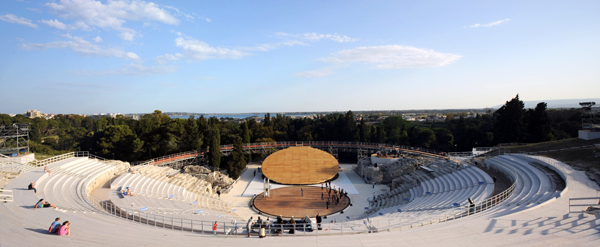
(65, 164)
(118, 182)
(538, 177)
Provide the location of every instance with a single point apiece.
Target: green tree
(246, 138)
(380, 134)
(119, 142)
(538, 124)
(214, 149)
(237, 161)
(192, 138)
(267, 120)
(362, 131)
(426, 138)
(509, 126)
(395, 128)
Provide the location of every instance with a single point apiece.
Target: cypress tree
(268, 120)
(363, 131)
(237, 161)
(214, 149)
(510, 117)
(246, 138)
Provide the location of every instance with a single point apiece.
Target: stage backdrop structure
(300, 166)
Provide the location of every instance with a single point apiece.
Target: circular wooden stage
(289, 202)
(300, 166)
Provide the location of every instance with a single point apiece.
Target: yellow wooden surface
(300, 165)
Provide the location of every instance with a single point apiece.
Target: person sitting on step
(55, 226)
(32, 187)
(41, 204)
(65, 229)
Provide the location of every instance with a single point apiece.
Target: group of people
(126, 192)
(279, 221)
(60, 229)
(334, 196)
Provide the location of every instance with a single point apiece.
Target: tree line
(156, 134)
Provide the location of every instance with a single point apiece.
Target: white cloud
(98, 39)
(196, 50)
(316, 37)
(208, 20)
(316, 73)
(55, 24)
(129, 69)
(271, 46)
(59, 25)
(19, 20)
(35, 10)
(112, 15)
(82, 47)
(491, 24)
(393, 57)
(168, 57)
(384, 57)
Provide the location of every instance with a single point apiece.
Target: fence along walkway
(270, 146)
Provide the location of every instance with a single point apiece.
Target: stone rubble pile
(218, 180)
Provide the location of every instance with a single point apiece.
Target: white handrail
(6, 195)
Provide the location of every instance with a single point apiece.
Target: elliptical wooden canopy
(300, 165)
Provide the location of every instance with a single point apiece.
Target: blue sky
(86, 56)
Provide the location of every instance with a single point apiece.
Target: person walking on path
(249, 226)
(215, 228)
(373, 184)
(302, 191)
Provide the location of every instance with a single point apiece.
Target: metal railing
(6, 195)
(400, 221)
(368, 225)
(280, 145)
(167, 158)
(45, 162)
(589, 207)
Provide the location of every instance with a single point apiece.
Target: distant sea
(236, 116)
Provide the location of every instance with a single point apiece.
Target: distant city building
(33, 113)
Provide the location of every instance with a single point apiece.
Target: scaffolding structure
(14, 139)
(590, 120)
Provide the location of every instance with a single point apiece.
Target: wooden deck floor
(289, 202)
